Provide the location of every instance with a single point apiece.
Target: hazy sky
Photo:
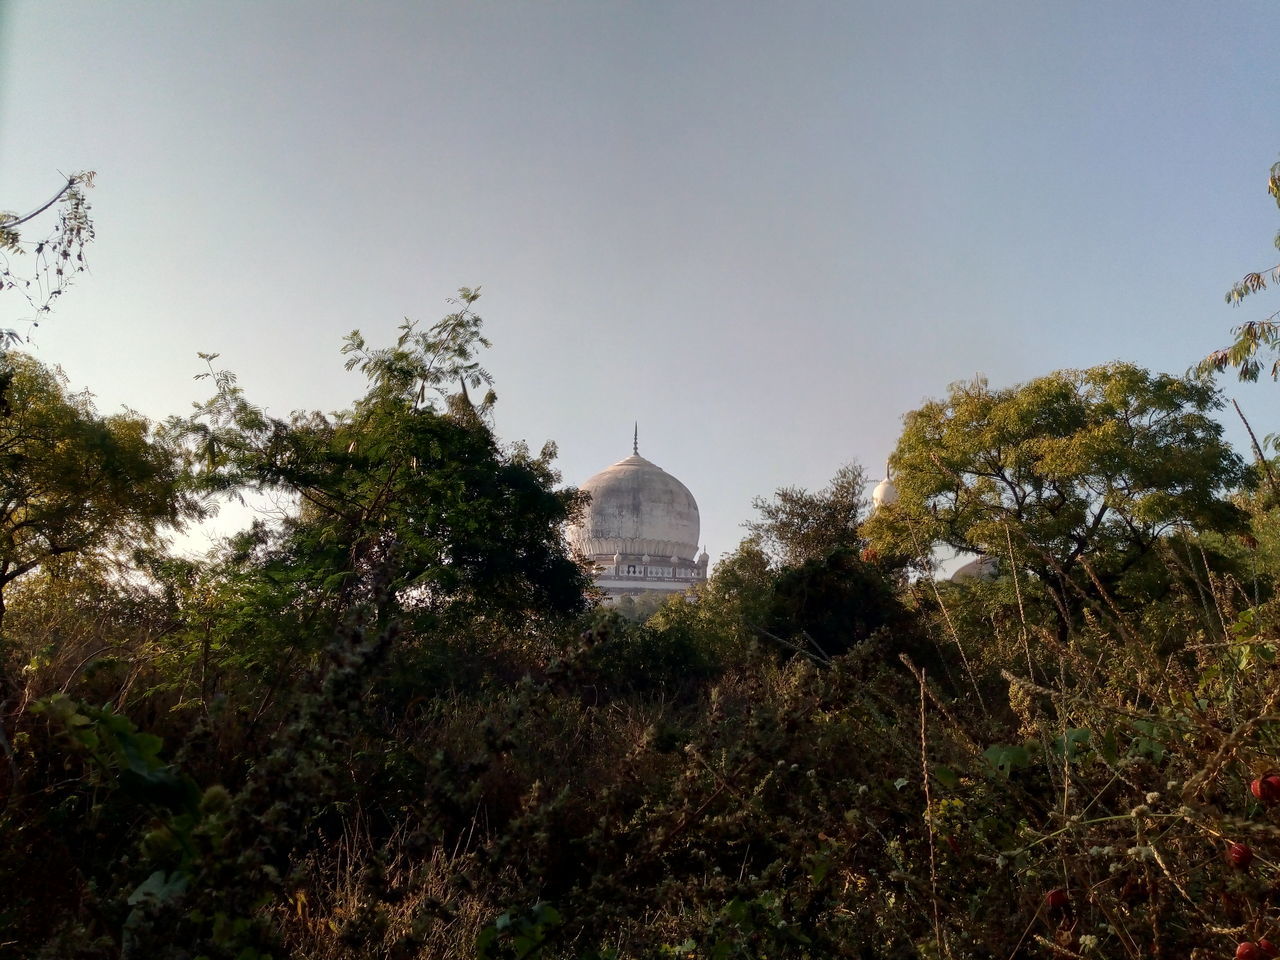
(765, 231)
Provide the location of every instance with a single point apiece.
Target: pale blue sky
(764, 230)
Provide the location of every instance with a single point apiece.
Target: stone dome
(637, 508)
(885, 494)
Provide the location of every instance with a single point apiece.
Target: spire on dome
(886, 492)
(635, 440)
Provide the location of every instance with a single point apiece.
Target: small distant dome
(704, 557)
(674, 558)
(645, 558)
(885, 494)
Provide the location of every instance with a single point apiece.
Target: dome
(885, 494)
(637, 508)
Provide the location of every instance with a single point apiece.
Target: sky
(765, 231)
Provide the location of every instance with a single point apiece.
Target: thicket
(397, 724)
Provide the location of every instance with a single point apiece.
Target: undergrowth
(1031, 798)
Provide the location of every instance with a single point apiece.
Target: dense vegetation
(396, 723)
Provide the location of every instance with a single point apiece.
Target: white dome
(637, 508)
(885, 494)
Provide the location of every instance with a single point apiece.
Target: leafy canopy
(1077, 467)
(801, 582)
(1255, 336)
(407, 493)
(799, 525)
(72, 481)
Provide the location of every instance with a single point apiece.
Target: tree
(799, 581)
(727, 611)
(1255, 336)
(797, 525)
(1078, 474)
(55, 260)
(833, 602)
(407, 494)
(73, 482)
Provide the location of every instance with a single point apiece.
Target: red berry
(1057, 899)
(1240, 855)
(1268, 948)
(1267, 788)
(1248, 951)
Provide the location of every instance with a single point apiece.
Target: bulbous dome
(885, 494)
(637, 508)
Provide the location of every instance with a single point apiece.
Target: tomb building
(639, 534)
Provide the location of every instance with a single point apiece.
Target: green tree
(1079, 474)
(73, 482)
(727, 611)
(829, 603)
(1256, 336)
(818, 594)
(407, 494)
(799, 525)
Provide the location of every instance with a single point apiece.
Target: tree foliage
(55, 260)
(798, 525)
(799, 583)
(1079, 469)
(72, 481)
(1255, 337)
(828, 604)
(406, 492)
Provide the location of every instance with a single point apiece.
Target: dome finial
(635, 440)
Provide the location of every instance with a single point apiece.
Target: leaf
(158, 888)
(1007, 758)
(1069, 744)
(945, 776)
